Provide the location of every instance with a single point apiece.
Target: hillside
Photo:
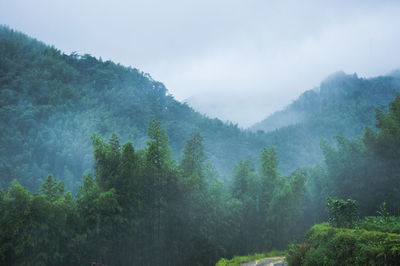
(346, 101)
(341, 106)
(51, 103)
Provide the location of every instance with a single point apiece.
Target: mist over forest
(100, 163)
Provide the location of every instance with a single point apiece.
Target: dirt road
(275, 261)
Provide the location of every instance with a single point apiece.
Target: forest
(142, 208)
(99, 163)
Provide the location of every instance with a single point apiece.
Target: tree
(269, 177)
(245, 189)
(160, 193)
(107, 158)
(243, 184)
(192, 162)
(52, 188)
(366, 169)
(386, 142)
(342, 213)
(269, 184)
(158, 153)
(284, 210)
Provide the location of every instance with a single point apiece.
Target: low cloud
(237, 60)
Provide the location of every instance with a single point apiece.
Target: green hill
(51, 103)
(345, 100)
(341, 106)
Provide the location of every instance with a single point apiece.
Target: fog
(236, 60)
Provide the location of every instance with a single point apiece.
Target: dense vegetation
(142, 208)
(162, 201)
(366, 169)
(326, 245)
(50, 104)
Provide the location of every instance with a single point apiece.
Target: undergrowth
(326, 245)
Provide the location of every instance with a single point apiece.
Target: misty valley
(101, 164)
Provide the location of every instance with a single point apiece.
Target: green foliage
(342, 213)
(386, 143)
(389, 224)
(52, 188)
(141, 207)
(325, 245)
(39, 229)
(244, 181)
(269, 176)
(193, 159)
(383, 212)
(366, 169)
(284, 210)
(267, 204)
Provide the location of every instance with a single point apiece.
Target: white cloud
(241, 59)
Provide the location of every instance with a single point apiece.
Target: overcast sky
(237, 60)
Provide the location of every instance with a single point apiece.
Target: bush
(342, 213)
(390, 224)
(326, 245)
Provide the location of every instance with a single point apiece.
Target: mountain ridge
(51, 103)
(336, 85)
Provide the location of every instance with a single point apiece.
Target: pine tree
(52, 188)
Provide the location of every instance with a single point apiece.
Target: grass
(237, 260)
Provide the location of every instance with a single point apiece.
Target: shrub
(326, 245)
(390, 224)
(342, 213)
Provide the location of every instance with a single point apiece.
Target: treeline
(142, 208)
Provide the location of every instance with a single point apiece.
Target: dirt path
(275, 261)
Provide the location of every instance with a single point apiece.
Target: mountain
(51, 103)
(345, 100)
(341, 105)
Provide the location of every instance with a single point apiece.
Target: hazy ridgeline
(189, 189)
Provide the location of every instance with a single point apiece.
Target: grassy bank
(326, 245)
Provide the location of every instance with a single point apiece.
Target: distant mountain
(344, 103)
